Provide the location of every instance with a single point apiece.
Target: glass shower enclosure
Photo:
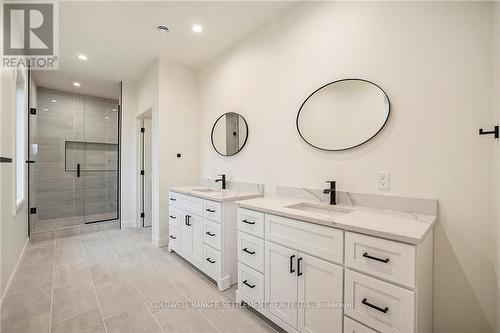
(76, 161)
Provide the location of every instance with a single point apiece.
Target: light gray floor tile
(71, 273)
(116, 296)
(36, 324)
(134, 320)
(185, 320)
(106, 271)
(73, 300)
(27, 303)
(88, 322)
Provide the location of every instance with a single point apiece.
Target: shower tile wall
(64, 199)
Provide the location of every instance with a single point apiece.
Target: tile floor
(115, 281)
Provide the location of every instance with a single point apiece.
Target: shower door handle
(78, 170)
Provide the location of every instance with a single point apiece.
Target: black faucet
(333, 192)
(223, 180)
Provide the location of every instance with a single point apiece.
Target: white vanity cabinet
(317, 278)
(204, 232)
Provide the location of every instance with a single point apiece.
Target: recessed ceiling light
(197, 28)
(162, 28)
(45, 109)
(53, 101)
(106, 117)
(82, 57)
(76, 84)
(113, 110)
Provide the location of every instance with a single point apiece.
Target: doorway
(146, 171)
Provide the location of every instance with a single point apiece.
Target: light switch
(383, 180)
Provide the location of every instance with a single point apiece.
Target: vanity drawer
(212, 210)
(320, 241)
(378, 304)
(251, 251)
(174, 217)
(174, 199)
(251, 222)
(389, 260)
(192, 204)
(352, 326)
(212, 261)
(173, 238)
(212, 234)
(250, 283)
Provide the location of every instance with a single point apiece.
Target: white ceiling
(121, 42)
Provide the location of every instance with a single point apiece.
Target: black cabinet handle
(248, 284)
(291, 263)
(211, 261)
(173, 237)
(186, 220)
(78, 170)
(210, 234)
(249, 252)
(299, 273)
(248, 222)
(172, 217)
(366, 255)
(365, 302)
(210, 210)
(5, 160)
(172, 199)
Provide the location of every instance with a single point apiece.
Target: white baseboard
(160, 242)
(128, 224)
(14, 272)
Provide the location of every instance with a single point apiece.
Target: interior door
(197, 228)
(321, 283)
(147, 187)
(281, 282)
(186, 234)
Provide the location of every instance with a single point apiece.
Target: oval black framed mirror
(343, 114)
(229, 134)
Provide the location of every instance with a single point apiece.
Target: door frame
(141, 198)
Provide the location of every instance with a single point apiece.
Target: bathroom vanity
(313, 267)
(202, 229)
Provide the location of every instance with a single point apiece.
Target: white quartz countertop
(215, 194)
(395, 225)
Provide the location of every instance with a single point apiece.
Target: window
(20, 137)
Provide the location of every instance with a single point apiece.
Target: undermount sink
(329, 211)
(205, 190)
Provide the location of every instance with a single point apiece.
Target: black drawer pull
(173, 199)
(249, 252)
(248, 284)
(210, 210)
(186, 220)
(211, 261)
(173, 237)
(299, 273)
(210, 234)
(248, 222)
(366, 255)
(172, 217)
(365, 302)
(291, 264)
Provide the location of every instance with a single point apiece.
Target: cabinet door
(281, 282)
(320, 289)
(186, 235)
(197, 232)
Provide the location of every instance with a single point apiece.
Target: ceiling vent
(162, 28)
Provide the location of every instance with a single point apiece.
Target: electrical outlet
(383, 180)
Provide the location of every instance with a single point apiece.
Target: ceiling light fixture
(162, 28)
(82, 57)
(45, 109)
(114, 110)
(53, 101)
(76, 84)
(197, 28)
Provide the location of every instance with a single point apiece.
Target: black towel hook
(495, 132)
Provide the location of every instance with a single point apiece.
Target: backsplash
(236, 186)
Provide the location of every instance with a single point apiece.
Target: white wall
(13, 223)
(496, 148)
(168, 92)
(434, 60)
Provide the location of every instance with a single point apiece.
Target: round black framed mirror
(343, 114)
(229, 134)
